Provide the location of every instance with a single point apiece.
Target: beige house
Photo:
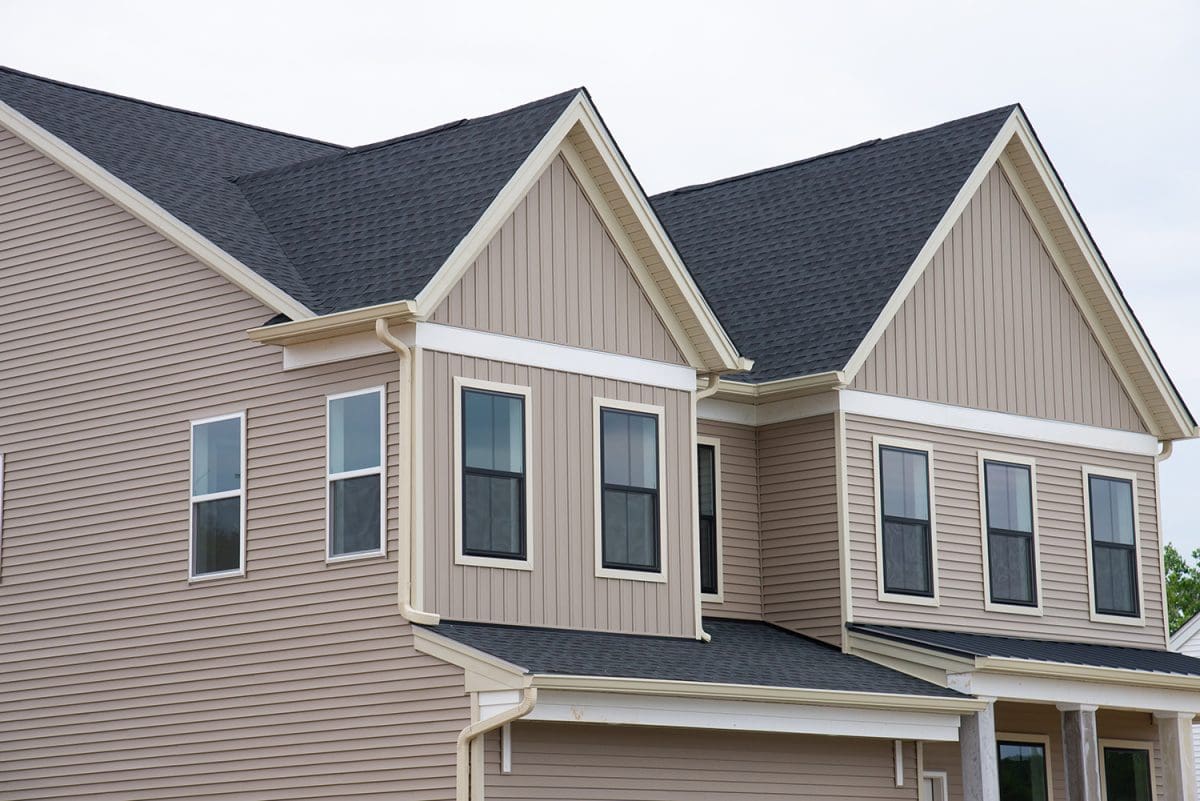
(454, 466)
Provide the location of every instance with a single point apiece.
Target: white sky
(700, 90)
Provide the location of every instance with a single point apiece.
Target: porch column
(1175, 743)
(977, 743)
(1081, 753)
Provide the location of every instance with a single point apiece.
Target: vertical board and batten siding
(739, 516)
(562, 589)
(1060, 522)
(991, 325)
(121, 681)
(553, 273)
(582, 762)
(799, 523)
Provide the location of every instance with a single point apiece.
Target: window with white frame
(906, 521)
(356, 490)
(1112, 519)
(493, 471)
(1009, 510)
(629, 478)
(218, 508)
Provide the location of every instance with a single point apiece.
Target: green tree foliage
(1183, 586)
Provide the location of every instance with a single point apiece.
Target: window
(218, 496)
(1127, 775)
(356, 494)
(708, 466)
(906, 521)
(1022, 771)
(493, 481)
(1113, 553)
(628, 507)
(1010, 544)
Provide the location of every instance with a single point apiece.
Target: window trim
(462, 383)
(1139, 745)
(938, 776)
(659, 576)
(1100, 617)
(381, 471)
(893, 597)
(193, 499)
(715, 443)
(1004, 606)
(1031, 739)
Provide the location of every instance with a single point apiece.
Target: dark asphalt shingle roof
(797, 261)
(1071, 653)
(741, 652)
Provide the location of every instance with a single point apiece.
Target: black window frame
(1001, 742)
(523, 553)
(1105, 748)
(991, 530)
(1131, 549)
(714, 547)
(884, 519)
(656, 511)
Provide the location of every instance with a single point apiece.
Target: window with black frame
(1022, 771)
(706, 468)
(629, 487)
(1127, 775)
(905, 517)
(1012, 555)
(1114, 545)
(493, 474)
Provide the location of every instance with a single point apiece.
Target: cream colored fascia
(915, 660)
(483, 670)
(333, 325)
(780, 389)
(1104, 675)
(150, 213)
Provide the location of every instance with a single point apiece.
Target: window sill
(492, 561)
(631, 575)
(225, 574)
(1120, 620)
(1012, 609)
(712, 598)
(355, 557)
(913, 600)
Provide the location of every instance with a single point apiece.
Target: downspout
(714, 383)
(404, 559)
(469, 784)
(1168, 447)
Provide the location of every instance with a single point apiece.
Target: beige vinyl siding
(1060, 521)
(561, 589)
(742, 590)
(798, 512)
(991, 325)
(120, 680)
(623, 763)
(553, 273)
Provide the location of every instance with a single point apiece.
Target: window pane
(1127, 774)
(1009, 496)
(1115, 570)
(217, 456)
(492, 515)
(906, 557)
(494, 431)
(216, 528)
(1011, 567)
(1111, 509)
(354, 515)
(905, 483)
(630, 443)
(1022, 771)
(708, 555)
(706, 467)
(354, 440)
(630, 529)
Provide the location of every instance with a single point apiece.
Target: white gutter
(714, 383)
(468, 783)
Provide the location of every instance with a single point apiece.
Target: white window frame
(927, 448)
(1032, 739)
(660, 576)
(988, 603)
(715, 443)
(1097, 617)
(940, 778)
(381, 471)
(460, 558)
(240, 492)
(1143, 745)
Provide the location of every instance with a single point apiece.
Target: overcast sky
(695, 91)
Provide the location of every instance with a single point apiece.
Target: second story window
(707, 467)
(493, 474)
(356, 482)
(1011, 547)
(218, 496)
(630, 537)
(1114, 560)
(906, 524)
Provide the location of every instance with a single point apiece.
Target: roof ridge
(164, 107)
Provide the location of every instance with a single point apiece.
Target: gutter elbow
(1168, 448)
(714, 383)
(465, 779)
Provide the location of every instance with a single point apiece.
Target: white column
(1175, 743)
(977, 743)
(1081, 752)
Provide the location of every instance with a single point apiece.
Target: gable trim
(152, 214)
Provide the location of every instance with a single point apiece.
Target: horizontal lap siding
(991, 325)
(553, 273)
(562, 589)
(119, 680)
(1063, 541)
(617, 763)
(798, 513)
(742, 592)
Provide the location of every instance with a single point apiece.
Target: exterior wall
(739, 516)
(1121, 724)
(121, 680)
(991, 325)
(1191, 647)
(561, 589)
(1060, 521)
(553, 273)
(612, 763)
(798, 507)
